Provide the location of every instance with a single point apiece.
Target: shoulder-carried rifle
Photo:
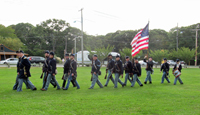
(91, 72)
(41, 75)
(106, 69)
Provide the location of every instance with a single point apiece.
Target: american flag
(140, 41)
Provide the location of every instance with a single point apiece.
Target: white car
(9, 61)
(142, 62)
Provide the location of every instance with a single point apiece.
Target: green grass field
(156, 98)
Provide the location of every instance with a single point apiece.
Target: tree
(7, 32)
(184, 54)
(101, 52)
(55, 28)
(14, 44)
(125, 52)
(158, 55)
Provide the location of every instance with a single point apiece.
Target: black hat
(95, 55)
(51, 53)
(46, 52)
(177, 60)
(72, 55)
(109, 54)
(165, 59)
(117, 56)
(135, 58)
(19, 51)
(127, 57)
(66, 54)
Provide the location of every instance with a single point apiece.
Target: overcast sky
(103, 16)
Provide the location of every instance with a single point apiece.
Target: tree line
(55, 34)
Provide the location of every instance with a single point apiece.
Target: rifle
(41, 75)
(63, 77)
(45, 80)
(91, 72)
(107, 69)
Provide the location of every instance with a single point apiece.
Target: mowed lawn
(156, 98)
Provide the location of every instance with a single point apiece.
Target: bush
(58, 59)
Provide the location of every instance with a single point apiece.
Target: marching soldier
(165, 68)
(95, 72)
(72, 73)
(179, 67)
(149, 69)
(66, 70)
(118, 70)
(45, 70)
(51, 72)
(24, 72)
(136, 72)
(16, 82)
(128, 70)
(110, 65)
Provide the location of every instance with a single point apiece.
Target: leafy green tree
(185, 54)
(158, 55)
(7, 32)
(14, 44)
(101, 52)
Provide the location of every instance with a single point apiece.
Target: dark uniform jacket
(128, 67)
(66, 66)
(73, 67)
(111, 64)
(52, 66)
(118, 67)
(24, 68)
(96, 66)
(45, 65)
(19, 61)
(149, 65)
(136, 69)
(179, 68)
(165, 67)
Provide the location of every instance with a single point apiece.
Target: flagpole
(148, 43)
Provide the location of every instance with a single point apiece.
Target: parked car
(144, 63)
(171, 62)
(36, 59)
(182, 63)
(9, 61)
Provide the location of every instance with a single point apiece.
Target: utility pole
(82, 34)
(75, 46)
(196, 42)
(65, 44)
(177, 38)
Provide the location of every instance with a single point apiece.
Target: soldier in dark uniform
(45, 70)
(51, 72)
(16, 82)
(95, 72)
(118, 70)
(179, 67)
(128, 70)
(149, 69)
(66, 70)
(72, 73)
(110, 65)
(24, 72)
(136, 72)
(165, 68)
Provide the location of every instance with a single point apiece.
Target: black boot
(150, 82)
(74, 85)
(64, 82)
(145, 82)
